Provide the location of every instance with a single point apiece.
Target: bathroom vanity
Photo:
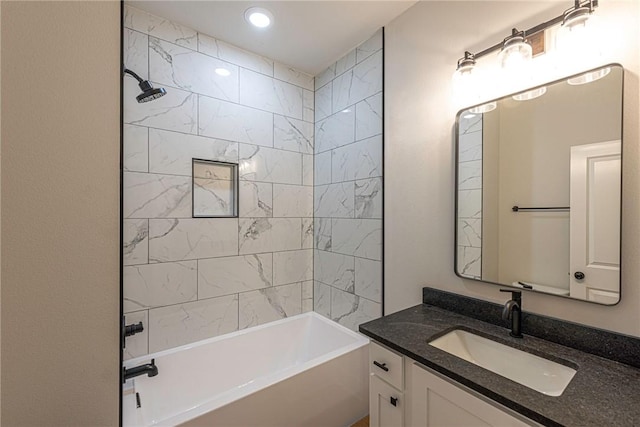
(414, 383)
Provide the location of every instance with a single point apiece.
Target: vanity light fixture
(514, 49)
(258, 17)
(484, 108)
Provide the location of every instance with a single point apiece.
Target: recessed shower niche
(215, 189)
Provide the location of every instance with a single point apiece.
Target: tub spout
(150, 369)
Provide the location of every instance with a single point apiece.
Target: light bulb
(258, 17)
(515, 53)
(577, 40)
(464, 80)
(222, 72)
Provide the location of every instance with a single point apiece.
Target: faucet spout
(150, 369)
(513, 311)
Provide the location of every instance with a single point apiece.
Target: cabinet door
(386, 404)
(439, 403)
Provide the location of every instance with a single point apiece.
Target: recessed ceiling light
(258, 17)
(223, 72)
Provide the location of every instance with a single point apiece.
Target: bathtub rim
(256, 385)
(360, 338)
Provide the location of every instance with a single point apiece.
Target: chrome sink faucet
(513, 311)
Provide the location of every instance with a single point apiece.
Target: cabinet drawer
(386, 364)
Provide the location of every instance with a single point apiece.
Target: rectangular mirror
(538, 188)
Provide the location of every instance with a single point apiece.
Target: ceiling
(307, 35)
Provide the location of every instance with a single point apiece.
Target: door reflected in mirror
(538, 188)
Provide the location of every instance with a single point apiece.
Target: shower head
(149, 93)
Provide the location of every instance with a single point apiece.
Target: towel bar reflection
(545, 209)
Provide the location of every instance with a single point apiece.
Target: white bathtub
(301, 371)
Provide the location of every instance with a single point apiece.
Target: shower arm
(137, 77)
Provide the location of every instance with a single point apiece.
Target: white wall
(422, 47)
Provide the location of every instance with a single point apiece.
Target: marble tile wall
(347, 205)
(470, 196)
(191, 278)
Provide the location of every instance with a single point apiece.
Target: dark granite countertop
(602, 393)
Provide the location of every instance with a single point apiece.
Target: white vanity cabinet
(404, 393)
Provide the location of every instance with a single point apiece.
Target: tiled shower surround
(470, 196)
(348, 187)
(191, 278)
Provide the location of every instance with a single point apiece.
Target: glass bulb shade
(515, 54)
(464, 84)
(484, 108)
(589, 77)
(579, 43)
(530, 94)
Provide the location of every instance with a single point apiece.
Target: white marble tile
(155, 285)
(255, 199)
(308, 107)
(359, 160)
(225, 51)
(470, 147)
(335, 270)
(369, 117)
(334, 200)
(267, 305)
(180, 239)
(138, 344)
(346, 62)
(470, 262)
(369, 47)
(322, 168)
(307, 233)
(270, 165)
(292, 266)
(224, 120)
(470, 203)
(156, 196)
(359, 237)
(162, 28)
(186, 69)
(258, 235)
(136, 53)
(213, 198)
(292, 201)
(470, 232)
(368, 279)
(172, 152)
(351, 310)
(135, 233)
(307, 169)
(136, 148)
(213, 170)
(322, 299)
(292, 134)
(368, 198)
(291, 75)
(470, 175)
(335, 130)
(230, 275)
(326, 76)
(469, 123)
(322, 233)
(177, 110)
(266, 93)
(363, 81)
(307, 296)
(323, 102)
(194, 321)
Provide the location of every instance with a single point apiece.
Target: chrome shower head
(149, 93)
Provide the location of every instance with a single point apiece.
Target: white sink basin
(532, 371)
